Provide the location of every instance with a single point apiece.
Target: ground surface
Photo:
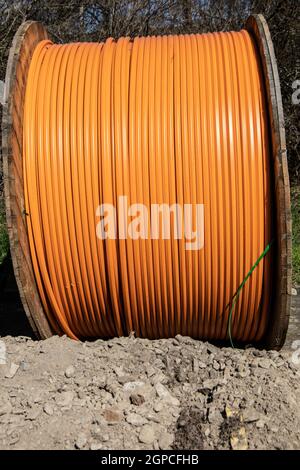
(130, 393)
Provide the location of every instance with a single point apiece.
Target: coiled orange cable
(161, 120)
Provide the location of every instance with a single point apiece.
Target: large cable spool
(192, 119)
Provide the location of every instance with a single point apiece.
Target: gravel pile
(130, 393)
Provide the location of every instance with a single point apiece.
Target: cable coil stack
(173, 120)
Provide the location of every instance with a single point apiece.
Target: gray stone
(5, 407)
(250, 416)
(164, 394)
(265, 363)
(147, 434)
(158, 406)
(80, 441)
(165, 441)
(33, 414)
(69, 372)
(12, 371)
(65, 398)
(48, 409)
(135, 419)
(95, 446)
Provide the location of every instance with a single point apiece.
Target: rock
(260, 423)
(95, 446)
(80, 441)
(250, 416)
(112, 416)
(33, 414)
(24, 365)
(165, 441)
(48, 409)
(213, 383)
(69, 372)
(135, 419)
(265, 363)
(137, 399)
(158, 406)
(12, 371)
(294, 291)
(215, 416)
(5, 407)
(133, 386)
(202, 365)
(65, 398)
(147, 434)
(14, 437)
(164, 394)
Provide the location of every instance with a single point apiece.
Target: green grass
(295, 194)
(3, 234)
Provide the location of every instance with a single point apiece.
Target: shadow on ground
(13, 320)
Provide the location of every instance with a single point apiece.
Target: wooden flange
(26, 39)
(257, 26)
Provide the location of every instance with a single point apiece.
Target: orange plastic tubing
(160, 120)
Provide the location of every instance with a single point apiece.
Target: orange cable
(160, 120)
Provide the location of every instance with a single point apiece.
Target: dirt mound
(130, 393)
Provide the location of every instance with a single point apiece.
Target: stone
(250, 416)
(202, 365)
(294, 291)
(95, 446)
(158, 406)
(213, 383)
(80, 441)
(260, 424)
(165, 441)
(135, 419)
(69, 372)
(164, 394)
(65, 398)
(5, 407)
(215, 416)
(265, 363)
(132, 386)
(147, 434)
(48, 409)
(137, 399)
(112, 416)
(12, 371)
(33, 414)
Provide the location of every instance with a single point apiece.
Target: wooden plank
(281, 304)
(25, 41)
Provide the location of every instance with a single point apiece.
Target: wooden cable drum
(191, 126)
